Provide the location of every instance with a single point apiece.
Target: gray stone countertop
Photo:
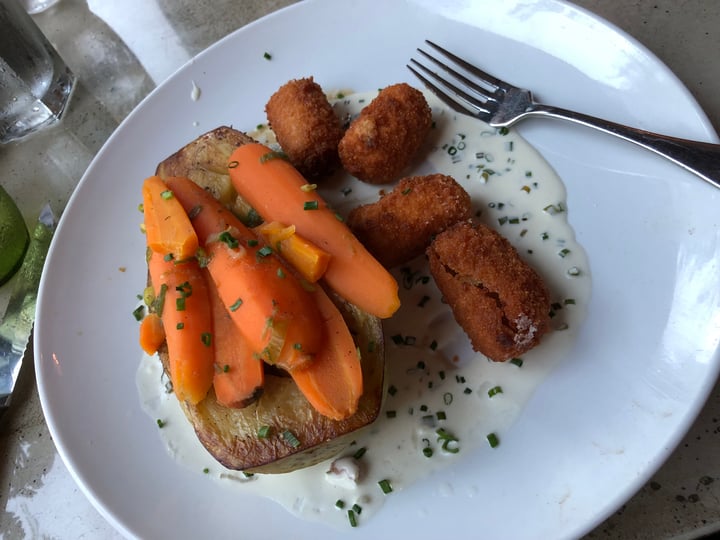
(38, 497)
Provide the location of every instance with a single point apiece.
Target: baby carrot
(239, 374)
(268, 304)
(184, 309)
(278, 192)
(167, 226)
(333, 381)
(152, 333)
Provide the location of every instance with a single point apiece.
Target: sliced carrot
(239, 374)
(308, 259)
(167, 226)
(185, 312)
(333, 381)
(152, 333)
(268, 304)
(276, 190)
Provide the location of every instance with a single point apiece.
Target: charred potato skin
(400, 225)
(306, 127)
(501, 303)
(387, 134)
(231, 435)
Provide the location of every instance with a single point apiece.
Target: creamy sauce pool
(435, 381)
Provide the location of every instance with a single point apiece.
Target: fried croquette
(306, 127)
(381, 142)
(401, 224)
(500, 302)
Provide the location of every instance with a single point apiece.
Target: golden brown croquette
(400, 225)
(386, 135)
(500, 302)
(306, 127)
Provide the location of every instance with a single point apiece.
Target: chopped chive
(160, 423)
(263, 432)
(252, 242)
(180, 326)
(517, 362)
(360, 452)
(493, 440)
(206, 338)
(385, 486)
(495, 390)
(167, 194)
(263, 252)
(235, 305)
(139, 313)
(427, 451)
(340, 504)
(267, 56)
(467, 391)
(180, 303)
(228, 239)
(351, 518)
(273, 155)
(310, 205)
(392, 390)
(441, 415)
(357, 508)
(564, 252)
(206, 470)
(391, 414)
(226, 368)
(290, 437)
(280, 273)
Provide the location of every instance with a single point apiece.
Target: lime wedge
(14, 237)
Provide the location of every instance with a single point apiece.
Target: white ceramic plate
(595, 430)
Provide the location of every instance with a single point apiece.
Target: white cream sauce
(434, 378)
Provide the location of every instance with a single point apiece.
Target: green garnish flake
(352, 518)
(385, 486)
(495, 390)
(310, 205)
(180, 303)
(340, 504)
(290, 438)
(167, 194)
(160, 423)
(448, 441)
(228, 239)
(263, 252)
(226, 368)
(360, 452)
(206, 470)
(236, 304)
(252, 242)
(263, 432)
(267, 56)
(280, 273)
(206, 338)
(139, 313)
(427, 452)
(493, 440)
(180, 326)
(517, 361)
(168, 257)
(564, 252)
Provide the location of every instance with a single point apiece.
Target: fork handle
(700, 158)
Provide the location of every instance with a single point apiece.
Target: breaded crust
(382, 141)
(400, 225)
(496, 297)
(306, 127)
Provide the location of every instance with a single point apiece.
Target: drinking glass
(35, 83)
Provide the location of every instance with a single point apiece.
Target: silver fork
(501, 104)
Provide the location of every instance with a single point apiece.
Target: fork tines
(477, 97)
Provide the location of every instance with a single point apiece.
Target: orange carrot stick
(239, 374)
(187, 321)
(275, 189)
(308, 259)
(277, 317)
(152, 333)
(333, 381)
(167, 226)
